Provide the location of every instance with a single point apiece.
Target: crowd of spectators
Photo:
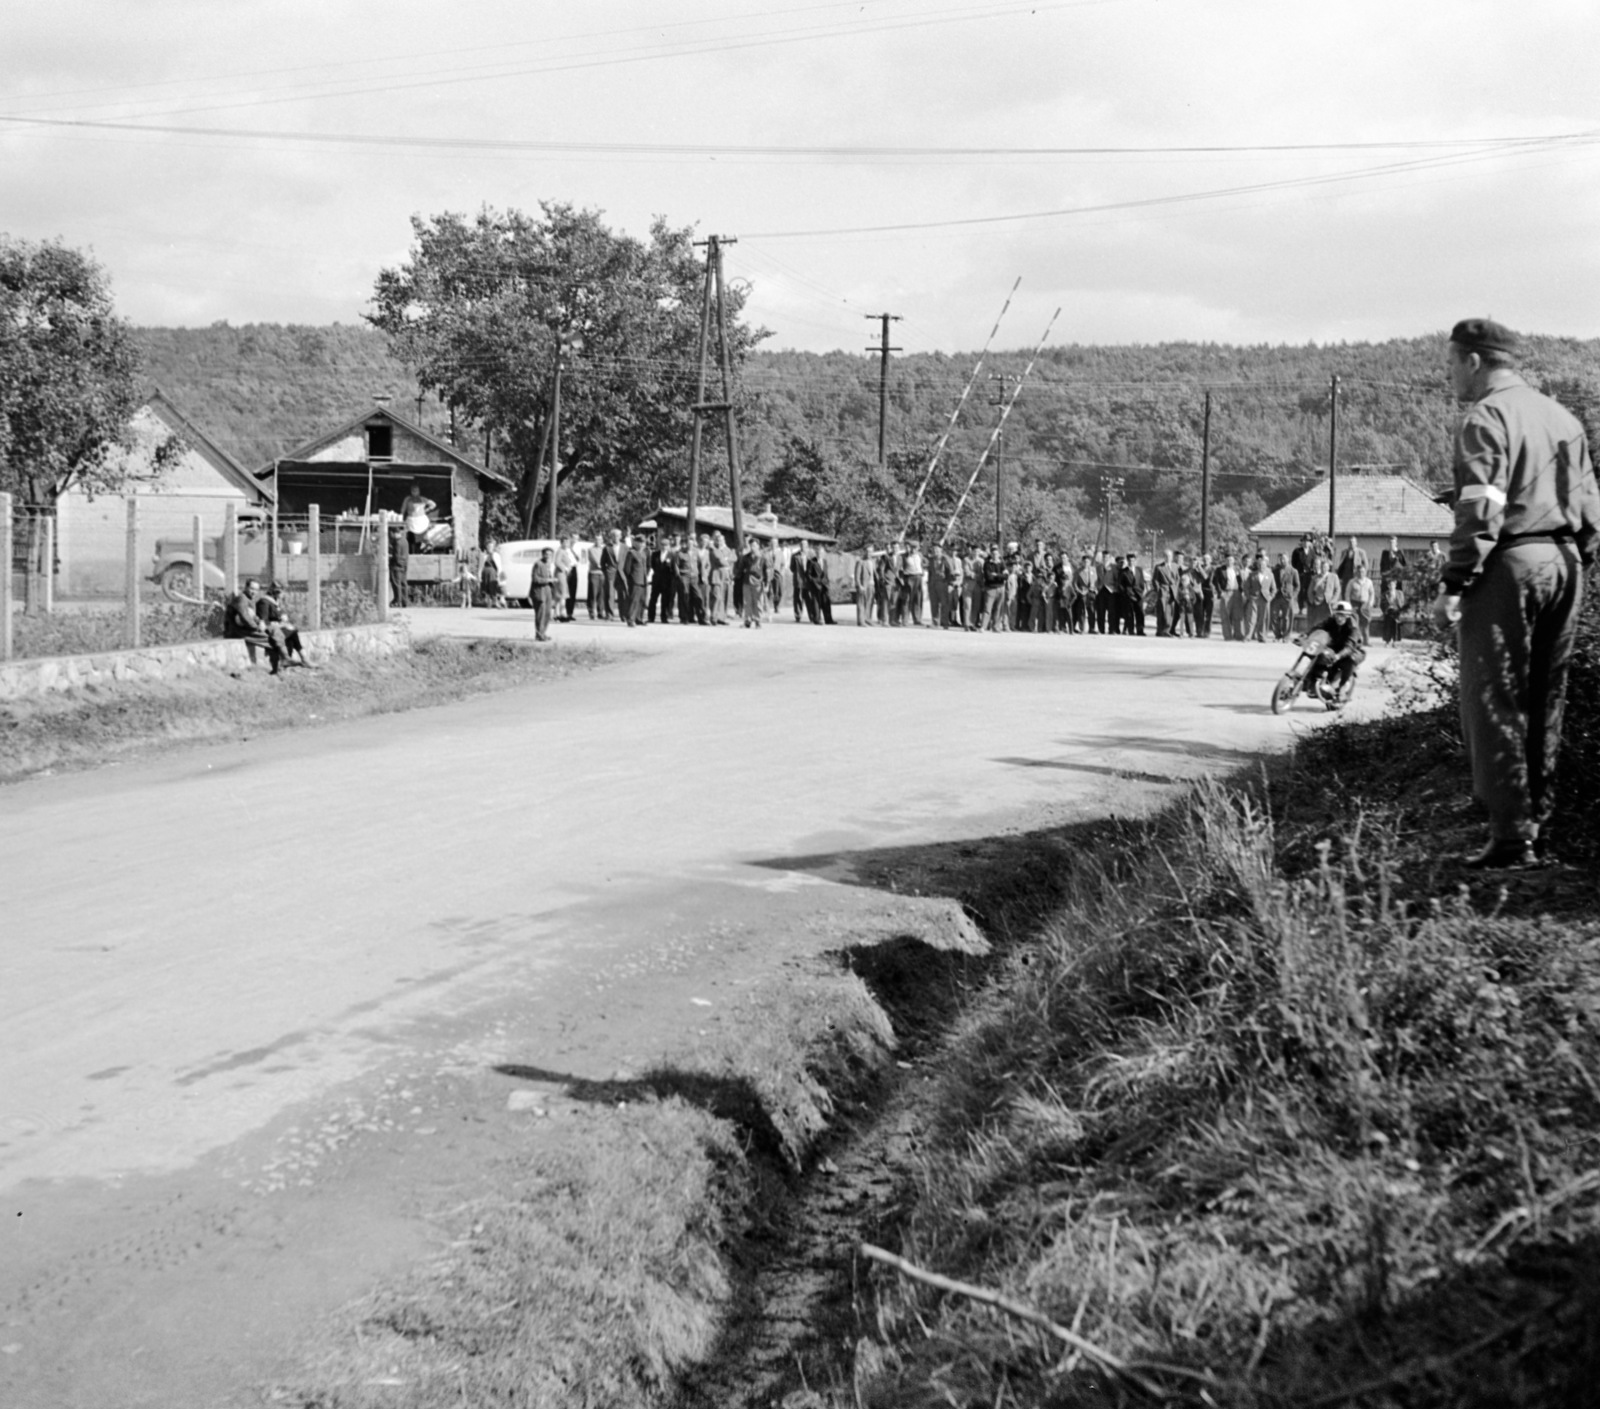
(989, 587)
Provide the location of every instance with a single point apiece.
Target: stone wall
(111, 669)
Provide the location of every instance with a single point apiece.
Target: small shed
(1373, 508)
(92, 530)
(363, 469)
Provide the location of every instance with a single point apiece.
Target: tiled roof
(1367, 505)
(720, 517)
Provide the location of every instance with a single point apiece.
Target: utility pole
(729, 424)
(883, 382)
(1205, 478)
(715, 289)
(999, 399)
(555, 436)
(700, 389)
(1333, 451)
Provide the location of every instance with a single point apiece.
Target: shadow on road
(733, 1099)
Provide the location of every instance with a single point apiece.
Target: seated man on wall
(281, 632)
(240, 623)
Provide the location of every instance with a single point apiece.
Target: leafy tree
(68, 374)
(483, 308)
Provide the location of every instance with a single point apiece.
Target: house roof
(720, 517)
(1367, 505)
(212, 453)
(379, 412)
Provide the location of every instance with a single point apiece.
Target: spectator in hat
(1527, 524)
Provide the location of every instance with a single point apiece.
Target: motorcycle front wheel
(1284, 691)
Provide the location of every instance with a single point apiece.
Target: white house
(92, 530)
(1372, 508)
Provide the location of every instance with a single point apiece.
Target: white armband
(1482, 491)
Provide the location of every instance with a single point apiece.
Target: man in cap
(1331, 671)
(1527, 522)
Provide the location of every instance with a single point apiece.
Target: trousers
(1518, 624)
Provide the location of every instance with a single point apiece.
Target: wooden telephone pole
(1333, 451)
(999, 399)
(714, 291)
(883, 381)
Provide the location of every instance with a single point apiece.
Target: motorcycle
(1298, 679)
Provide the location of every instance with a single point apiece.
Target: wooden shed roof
(1367, 506)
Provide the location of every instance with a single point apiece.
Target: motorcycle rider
(1332, 670)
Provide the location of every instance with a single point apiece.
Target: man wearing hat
(1527, 521)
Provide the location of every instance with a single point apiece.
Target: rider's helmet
(1342, 608)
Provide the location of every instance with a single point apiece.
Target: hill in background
(809, 422)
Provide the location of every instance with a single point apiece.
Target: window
(380, 442)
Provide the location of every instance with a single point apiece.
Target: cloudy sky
(1228, 170)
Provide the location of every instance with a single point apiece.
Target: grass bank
(90, 727)
(1280, 1106)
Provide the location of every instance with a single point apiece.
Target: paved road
(175, 922)
(195, 945)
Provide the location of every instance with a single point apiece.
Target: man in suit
(1287, 598)
(686, 563)
(862, 579)
(1228, 586)
(717, 561)
(1131, 597)
(1354, 556)
(663, 579)
(1105, 594)
(635, 573)
(1164, 588)
(612, 600)
(1258, 593)
(1392, 561)
(1186, 591)
(1206, 610)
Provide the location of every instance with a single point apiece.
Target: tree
(483, 309)
(68, 374)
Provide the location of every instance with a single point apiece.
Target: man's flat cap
(1483, 335)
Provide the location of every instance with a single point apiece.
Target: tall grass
(1215, 1104)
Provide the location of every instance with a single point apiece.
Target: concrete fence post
(5, 577)
(380, 569)
(198, 528)
(47, 598)
(130, 627)
(229, 549)
(314, 568)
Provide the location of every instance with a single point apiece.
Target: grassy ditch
(1279, 1107)
(600, 1265)
(92, 726)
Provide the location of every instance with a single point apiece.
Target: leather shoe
(1505, 854)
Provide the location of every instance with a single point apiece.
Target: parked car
(516, 566)
(174, 559)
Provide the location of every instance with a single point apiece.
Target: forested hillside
(1091, 424)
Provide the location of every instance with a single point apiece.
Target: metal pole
(727, 399)
(1205, 478)
(938, 450)
(5, 576)
(1333, 453)
(700, 392)
(197, 529)
(314, 568)
(994, 435)
(130, 626)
